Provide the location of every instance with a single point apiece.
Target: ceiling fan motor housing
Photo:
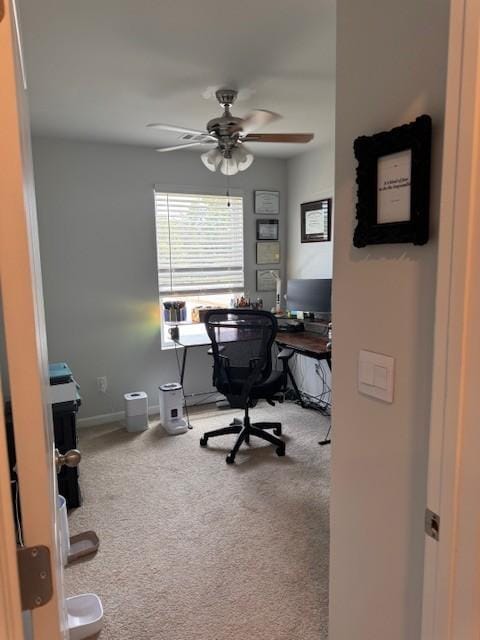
(226, 97)
(225, 125)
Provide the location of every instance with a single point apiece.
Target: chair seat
(272, 385)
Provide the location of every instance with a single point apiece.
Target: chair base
(246, 429)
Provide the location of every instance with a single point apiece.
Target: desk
(187, 342)
(306, 343)
(311, 345)
(227, 333)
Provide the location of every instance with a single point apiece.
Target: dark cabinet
(65, 431)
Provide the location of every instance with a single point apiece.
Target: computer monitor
(310, 294)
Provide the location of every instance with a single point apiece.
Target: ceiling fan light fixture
(229, 166)
(243, 156)
(212, 159)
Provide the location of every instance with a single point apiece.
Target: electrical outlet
(102, 384)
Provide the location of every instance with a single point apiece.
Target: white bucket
(85, 616)
(63, 529)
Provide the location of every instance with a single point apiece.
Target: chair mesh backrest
(241, 339)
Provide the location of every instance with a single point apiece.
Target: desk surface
(224, 334)
(307, 342)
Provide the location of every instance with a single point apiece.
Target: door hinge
(432, 524)
(35, 574)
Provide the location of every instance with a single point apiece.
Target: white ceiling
(102, 69)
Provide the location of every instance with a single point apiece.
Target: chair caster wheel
(278, 431)
(281, 451)
(230, 459)
(203, 442)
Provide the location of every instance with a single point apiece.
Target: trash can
(136, 411)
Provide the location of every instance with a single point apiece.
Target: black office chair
(242, 371)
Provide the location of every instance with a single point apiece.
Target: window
(199, 252)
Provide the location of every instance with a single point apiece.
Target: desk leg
(184, 362)
(326, 440)
(182, 376)
(294, 385)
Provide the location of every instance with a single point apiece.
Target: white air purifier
(171, 408)
(136, 411)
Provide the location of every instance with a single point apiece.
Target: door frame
(451, 577)
(452, 564)
(11, 626)
(25, 339)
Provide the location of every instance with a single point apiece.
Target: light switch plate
(376, 375)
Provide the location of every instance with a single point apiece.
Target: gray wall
(391, 67)
(310, 177)
(97, 241)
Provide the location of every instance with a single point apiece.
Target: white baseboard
(118, 416)
(105, 418)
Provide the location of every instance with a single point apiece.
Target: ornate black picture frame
(412, 145)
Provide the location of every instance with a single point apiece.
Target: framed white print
(394, 182)
(267, 202)
(393, 185)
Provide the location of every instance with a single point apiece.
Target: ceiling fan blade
(174, 128)
(181, 146)
(278, 137)
(258, 118)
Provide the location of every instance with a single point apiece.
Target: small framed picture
(267, 279)
(268, 252)
(267, 202)
(316, 221)
(393, 177)
(267, 229)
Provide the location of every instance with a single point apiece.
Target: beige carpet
(194, 549)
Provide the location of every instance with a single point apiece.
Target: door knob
(70, 459)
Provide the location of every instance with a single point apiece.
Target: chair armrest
(285, 354)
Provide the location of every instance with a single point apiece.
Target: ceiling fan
(229, 134)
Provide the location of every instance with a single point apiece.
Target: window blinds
(199, 243)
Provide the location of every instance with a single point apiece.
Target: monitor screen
(309, 294)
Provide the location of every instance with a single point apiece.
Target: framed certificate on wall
(266, 280)
(267, 229)
(267, 202)
(316, 221)
(268, 252)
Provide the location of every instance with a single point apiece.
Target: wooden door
(25, 337)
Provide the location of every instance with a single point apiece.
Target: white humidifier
(171, 408)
